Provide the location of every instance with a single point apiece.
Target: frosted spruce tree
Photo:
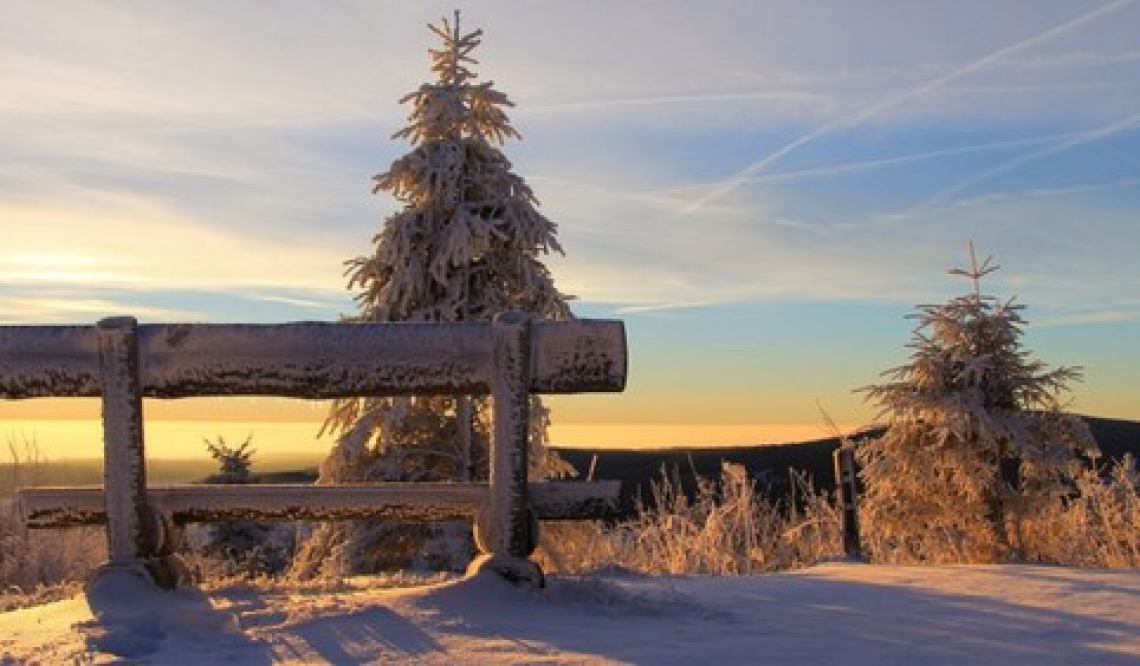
(466, 245)
(242, 547)
(976, 439)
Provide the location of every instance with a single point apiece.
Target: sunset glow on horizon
(80, 439)
(175, 429)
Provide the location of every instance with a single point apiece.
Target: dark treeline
(771, 466)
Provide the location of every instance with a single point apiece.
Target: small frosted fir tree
(236, 462)
(465, 246)
(242, 547)
(977, 442)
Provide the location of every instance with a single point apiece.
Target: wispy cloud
(1086, 59)
(667, 307)
(1058, 146)
(309, 303)
(892, 102)
(1124, 313)
(795, 99)
(127, 241)
(1009, 195)
(910, 158)
(85, 310)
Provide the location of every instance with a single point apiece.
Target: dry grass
(727, 529)
(37, 566)
(1096, 523)
(1097, 526)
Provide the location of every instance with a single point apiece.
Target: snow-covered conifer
(465, 245)
(242, 547)
(236, 461)
(976, 436)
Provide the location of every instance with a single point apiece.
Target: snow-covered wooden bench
(123, 362)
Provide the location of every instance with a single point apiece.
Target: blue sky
(761, 190)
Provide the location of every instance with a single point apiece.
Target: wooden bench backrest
(123, 362)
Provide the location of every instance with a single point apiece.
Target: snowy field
(831, 614)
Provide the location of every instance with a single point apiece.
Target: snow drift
(834, 613)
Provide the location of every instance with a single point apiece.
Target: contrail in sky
(702, 98)
(1079, 140)
(885, 162)
(749, 172)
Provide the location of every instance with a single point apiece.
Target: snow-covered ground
(834, 613)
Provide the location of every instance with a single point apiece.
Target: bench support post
(129, 537)
(133, 531)
(510, 524)
(124, 477)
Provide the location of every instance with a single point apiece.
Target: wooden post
(129, 533)
(511, 529)
(845, 483)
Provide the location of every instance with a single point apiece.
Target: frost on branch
(977, 440)
(466, 245)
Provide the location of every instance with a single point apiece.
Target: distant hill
(770, 465)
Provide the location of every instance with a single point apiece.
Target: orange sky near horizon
(72, 439)
(70, 428)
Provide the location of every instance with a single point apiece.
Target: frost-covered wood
(46, 361)
(847, 494)
(508, 519)
(129, 537)
(315, 360)
(311, 360)
(578, 356)
(573, 500)
(549, 500)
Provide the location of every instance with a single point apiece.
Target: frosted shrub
(37, 566)
(44, 565)
(1096, 525)
(334, 551)
(726, 529)
(243, 555)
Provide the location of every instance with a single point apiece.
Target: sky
(761, 191)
